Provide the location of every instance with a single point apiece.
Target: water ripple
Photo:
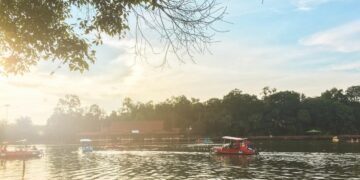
(69, 163)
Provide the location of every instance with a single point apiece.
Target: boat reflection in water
(233, 160)
(22, 153)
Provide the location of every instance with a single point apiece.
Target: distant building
(116, 129)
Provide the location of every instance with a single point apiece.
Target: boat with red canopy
(19, 152)
(236, 145)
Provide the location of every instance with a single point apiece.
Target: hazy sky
(302, 45)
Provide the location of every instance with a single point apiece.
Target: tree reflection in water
(67, 162)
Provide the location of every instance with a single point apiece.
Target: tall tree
(281, 112)
(334, 94)
(244, 109)
(69, 104)
(92, 118)
(66, 119)
(353, 93)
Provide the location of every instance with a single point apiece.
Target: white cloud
(344, 38)
(346, 67)
(232, 65)
(306, 5)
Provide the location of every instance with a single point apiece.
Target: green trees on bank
(237, 113)
(334, 112)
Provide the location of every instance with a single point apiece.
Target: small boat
(237, 145)
(335, 139)
(86, 146)
(21, 152)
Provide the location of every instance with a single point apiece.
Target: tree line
(335, 111)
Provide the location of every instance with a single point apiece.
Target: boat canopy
(234, 138)
(85, 140)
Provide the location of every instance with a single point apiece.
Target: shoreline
(197, 140)
(304, 137)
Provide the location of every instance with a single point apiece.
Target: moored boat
(19, 152)
(237, 145)
(335, 139)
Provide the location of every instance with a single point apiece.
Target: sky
(307, 46)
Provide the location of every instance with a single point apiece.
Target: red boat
(21, 152)
(237, 145)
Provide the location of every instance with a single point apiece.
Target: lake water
(278, 159)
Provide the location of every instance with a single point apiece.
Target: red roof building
(125, 128)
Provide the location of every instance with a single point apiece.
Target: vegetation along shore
(286, 114)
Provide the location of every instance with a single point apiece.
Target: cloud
(232, 65)
(306, 5)
(346, 67)
(22, 84)
(344, 38)
(35, 94)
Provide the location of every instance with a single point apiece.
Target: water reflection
(67, 162)
(233, 160)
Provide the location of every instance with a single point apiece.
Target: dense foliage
(237, 113)
(65, 30)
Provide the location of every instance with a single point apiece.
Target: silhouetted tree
(66, 120)
(237, 113)
(65, 30)
(353, 94)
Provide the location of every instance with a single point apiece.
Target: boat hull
(87, 149)
(237, 151)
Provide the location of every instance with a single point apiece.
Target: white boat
(86, 145)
